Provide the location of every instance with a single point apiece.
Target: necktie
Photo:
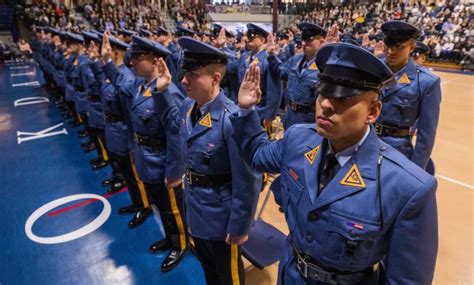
(303, 65)
(330, 168)
(195, 115)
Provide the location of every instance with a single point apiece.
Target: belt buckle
(378, 129)
(189, 177)
(300, 261)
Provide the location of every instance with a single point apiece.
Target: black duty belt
(312, 271)
(93, 98)
(202, 180)
(388, 131)
(113, 118)
(301, 108)
(155, 143)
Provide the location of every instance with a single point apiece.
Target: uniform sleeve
(246, 184)
(168, 104)
(273, 94)
(413, 248)
(278, 67)
(427, 124)
(261, 153)
(111, 72)
(89, 82)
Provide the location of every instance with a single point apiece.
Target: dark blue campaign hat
(114, 42)
(198, 54)
(216, 29)
(88, 36)
(254, 30)
(75, 38)
(127, 33)
(239, 36)
(145, 46)
(397, 32)
(421, 48)
(310, 30)
(161, 31)
(282, 35)
(144, 33)
(347, 70)
(184, 32)
(350, 39)
(118, 44)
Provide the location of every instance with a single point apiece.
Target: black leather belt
(300, 108)
(156, 143)
(113, 118)
(387, 131)
(93, 98)
(312, 271)
(202, 180)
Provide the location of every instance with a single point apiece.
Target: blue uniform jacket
(341, 229)
(413, 103)
(95, 108)
(210, 149)
(270, 83)
(301, 86)
(117, 134)
(151, 118)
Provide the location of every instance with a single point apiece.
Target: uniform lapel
(313, 155)
(310, 69)
(409, 71)
(208, 120)
(354, 175)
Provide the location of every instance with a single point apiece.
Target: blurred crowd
(446, 28)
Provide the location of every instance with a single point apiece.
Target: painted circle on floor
(85, 230)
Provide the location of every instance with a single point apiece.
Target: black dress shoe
(160, 245)
(117, 186)
(173, 259)
(108, 181)
(131, 209)
(101, 164)
(86, 144)
(95, 161)
(74, 124)
(139, 217)
(82, 134)
(90, 148)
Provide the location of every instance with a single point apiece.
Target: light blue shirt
(344, 156)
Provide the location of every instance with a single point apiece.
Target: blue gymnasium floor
(42, 169)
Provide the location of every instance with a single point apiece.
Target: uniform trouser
(98, 138)
(169, 202)
(122, 166)
(221, 262)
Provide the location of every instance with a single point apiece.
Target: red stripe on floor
(60, 211)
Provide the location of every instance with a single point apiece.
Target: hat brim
(339, 91)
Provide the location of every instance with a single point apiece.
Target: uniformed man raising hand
(358, 211)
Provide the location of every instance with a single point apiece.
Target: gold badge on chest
(206, 121)
(311, 155)
(404, 79)
(353, 178)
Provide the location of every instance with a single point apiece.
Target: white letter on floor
(41, 134)
(30, 101)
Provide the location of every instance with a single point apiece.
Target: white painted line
(19, 67)
(22, 74)
(449, 81)
(31, 83)
(455, 181)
